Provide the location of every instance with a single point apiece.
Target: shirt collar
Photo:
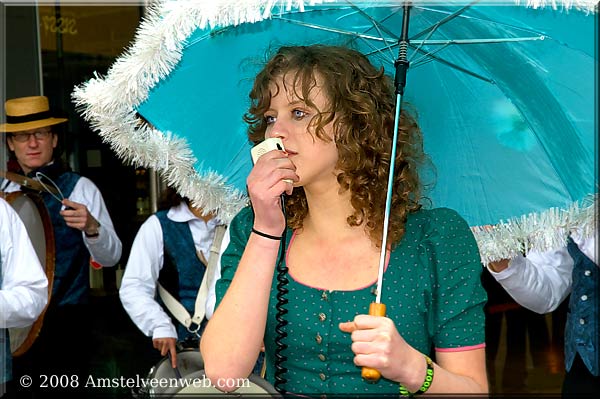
(182, 213)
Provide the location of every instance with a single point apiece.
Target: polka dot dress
(431, 289)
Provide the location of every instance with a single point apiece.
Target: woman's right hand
(272, 175)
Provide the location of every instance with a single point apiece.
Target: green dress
(431, 289)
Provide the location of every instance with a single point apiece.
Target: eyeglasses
(24, 137)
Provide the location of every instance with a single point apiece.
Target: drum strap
(26, 182)
(176, 308)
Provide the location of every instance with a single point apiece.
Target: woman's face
(289, 118)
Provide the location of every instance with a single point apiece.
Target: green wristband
(426, 384)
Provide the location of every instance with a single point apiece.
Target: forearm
(106, 248)
(144, 311)
(234, 335)
(540, 282)
(21, 306)
(455, 372)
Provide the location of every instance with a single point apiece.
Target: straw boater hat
(27, 113)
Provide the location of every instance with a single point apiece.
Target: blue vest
(5, 355)
(71, 267)
(582, 334)
(182, 271)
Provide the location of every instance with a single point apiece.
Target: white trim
(108, 103)
(537, 231)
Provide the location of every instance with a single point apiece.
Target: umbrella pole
(377, 308)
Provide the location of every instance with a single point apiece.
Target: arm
(106, 247)
(138, 287)
(587, 245)
(455, 317)
(540, 281)
(24, 286)
(233, 337)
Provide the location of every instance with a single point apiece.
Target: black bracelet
(93, 235)
(260, 233)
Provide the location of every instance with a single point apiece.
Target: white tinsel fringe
(537, 231)
(109, 103)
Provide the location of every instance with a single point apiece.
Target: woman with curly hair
(334, 112)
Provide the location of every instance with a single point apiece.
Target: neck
(27, 170)
(199, 213)
(328, 212)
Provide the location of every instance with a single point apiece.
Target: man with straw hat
(82, 228)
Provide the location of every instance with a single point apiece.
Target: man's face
(33, 148)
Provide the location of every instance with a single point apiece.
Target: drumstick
(176, 369)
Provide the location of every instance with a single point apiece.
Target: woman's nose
(278, 129)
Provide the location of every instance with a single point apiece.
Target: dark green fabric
(431, 288)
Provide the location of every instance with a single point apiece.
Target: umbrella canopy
(504, 95)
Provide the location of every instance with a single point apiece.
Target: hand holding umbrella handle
(370, 374)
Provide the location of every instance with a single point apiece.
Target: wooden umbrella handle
(370, 374)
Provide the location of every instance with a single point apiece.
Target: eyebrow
(293, 103)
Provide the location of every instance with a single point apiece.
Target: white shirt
(138, 287)
(23, 286)
(106, 248)
(542, 280)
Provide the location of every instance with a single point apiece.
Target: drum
(197, 384)
(32, 211)
(189, 379)
(189, 360)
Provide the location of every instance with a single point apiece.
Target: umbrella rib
(457, 67)
(444, 20)
(446, 43)
(440, 60)
(379, 26)
(504, 24)
(335, 30)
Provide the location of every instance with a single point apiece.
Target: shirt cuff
(164, 332)
(513, 266)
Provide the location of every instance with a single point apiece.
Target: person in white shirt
(23, 284)
(172, 247)
(541, 282)
(83, 231)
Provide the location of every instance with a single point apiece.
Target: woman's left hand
(377, 344)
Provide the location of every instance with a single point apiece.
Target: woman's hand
(272, 175)
(377, 344)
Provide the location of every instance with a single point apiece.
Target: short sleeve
(458, 294)
(239, 232)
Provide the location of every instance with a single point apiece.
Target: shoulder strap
(176, 308)
(26, 182)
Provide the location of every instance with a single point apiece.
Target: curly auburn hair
(362, 110)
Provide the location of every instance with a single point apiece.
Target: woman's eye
(269, 119)
(298, 113)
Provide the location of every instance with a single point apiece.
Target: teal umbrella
(504, 94)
